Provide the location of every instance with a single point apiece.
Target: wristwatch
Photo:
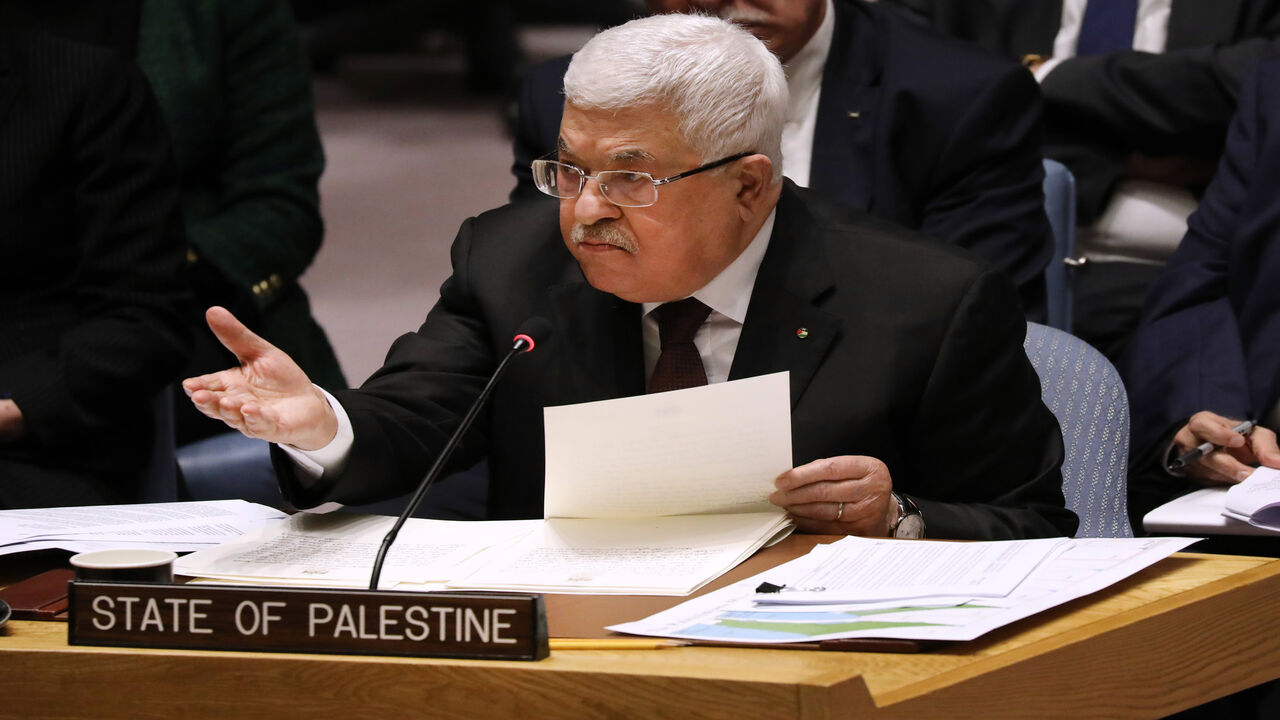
(910, 522)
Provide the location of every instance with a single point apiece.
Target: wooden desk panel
(1187, 630)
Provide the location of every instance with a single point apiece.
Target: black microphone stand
(522, 344)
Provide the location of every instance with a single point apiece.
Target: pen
(768, 587)
(612, 643)
(1206, 447)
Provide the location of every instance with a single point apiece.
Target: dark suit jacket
(235, 90)
(92, 250)
(946, 139)
(1210, 338)
(1100, 109)
(913, 355)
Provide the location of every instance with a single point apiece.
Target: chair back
(1060, 206)
(1085, 393)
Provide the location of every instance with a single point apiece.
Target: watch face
(912, 526)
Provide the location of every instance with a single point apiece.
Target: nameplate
(308, 620)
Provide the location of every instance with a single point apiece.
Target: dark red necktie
(679, 365)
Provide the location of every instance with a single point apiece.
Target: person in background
(94, 297)
(1137, 98)
(885, 117)
(677, 255)
(235, 91)
(1207, 353)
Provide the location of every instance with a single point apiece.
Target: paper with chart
(734, 614)
(1256, 500)
(178, 526)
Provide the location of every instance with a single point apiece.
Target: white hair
(725, 87)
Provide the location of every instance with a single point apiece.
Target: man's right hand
(268, 396)
(1238, 456)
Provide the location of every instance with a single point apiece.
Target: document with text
(858, 569)
(737, 614)
(338, 550)
(177, 526)
(650, 495)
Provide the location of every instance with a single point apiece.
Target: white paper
(175, 526)
(857, 569)
(1078, 568)
(340, 549)
(657, 494)
(79, 546)
(1256, 500)
(643, 556)
(1201, 511)
(711, 449)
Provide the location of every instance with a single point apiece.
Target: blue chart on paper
(725, 632)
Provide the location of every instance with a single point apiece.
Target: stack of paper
(918, 590)
(1256, 500)
(1249, 508)
(650, 495)
(658, 556)
(179, 526)
(338, 550)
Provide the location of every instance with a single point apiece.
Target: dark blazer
(913, 355)
(1210, 337)
(1098, 110)
(91, 244)
(946, 139)
(235, 90)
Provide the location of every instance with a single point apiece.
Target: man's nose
(591, 206)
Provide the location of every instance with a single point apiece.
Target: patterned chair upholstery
(1087, 396)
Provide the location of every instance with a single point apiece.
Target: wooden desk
(1187, 630)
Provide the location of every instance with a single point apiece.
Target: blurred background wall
(413, 104)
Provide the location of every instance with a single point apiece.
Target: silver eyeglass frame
(583, 177)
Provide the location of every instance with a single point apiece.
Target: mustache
(603, 233)
(742, 16)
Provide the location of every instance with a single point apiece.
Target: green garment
(234, 87)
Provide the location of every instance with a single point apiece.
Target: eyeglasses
(627, 188)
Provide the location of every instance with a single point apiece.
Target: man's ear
(755, 184)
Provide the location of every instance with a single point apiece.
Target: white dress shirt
(1144, 221)
(728, 296)
(804, 84)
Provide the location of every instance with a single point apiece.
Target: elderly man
(885, 117)
(914, 408)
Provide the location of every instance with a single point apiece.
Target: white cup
(125, 565)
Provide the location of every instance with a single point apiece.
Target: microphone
(524, 341)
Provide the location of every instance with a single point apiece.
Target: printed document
(177, 526)
(736, 614)
(657, 495)
(857, 569)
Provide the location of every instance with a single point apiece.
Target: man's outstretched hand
(268, 396)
